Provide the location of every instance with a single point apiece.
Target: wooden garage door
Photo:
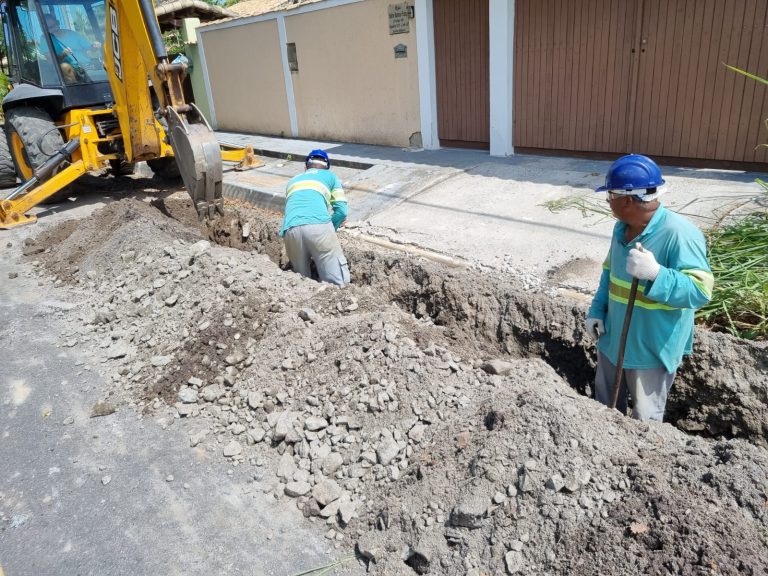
(573, 61)
(690, 105)
(641, 76)
(462, 74)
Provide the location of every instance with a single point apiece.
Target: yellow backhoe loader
(93, 88)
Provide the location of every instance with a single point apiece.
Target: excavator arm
(134, 51)
(155, 121)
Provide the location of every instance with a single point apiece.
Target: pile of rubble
(418, 442)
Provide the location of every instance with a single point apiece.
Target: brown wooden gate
(462, 74)
(641, 76)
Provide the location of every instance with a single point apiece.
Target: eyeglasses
(613, 196)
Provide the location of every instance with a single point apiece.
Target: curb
(252, 195)
(291, 157)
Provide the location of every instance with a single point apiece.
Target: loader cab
(58, 44)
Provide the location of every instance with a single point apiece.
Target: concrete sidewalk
(489, 211)
(375, 177)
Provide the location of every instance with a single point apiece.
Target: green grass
(585, 203)
(738, 256)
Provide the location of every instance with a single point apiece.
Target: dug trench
(720, 391)
(420, 416)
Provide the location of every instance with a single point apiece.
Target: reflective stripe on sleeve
(703, 279)
(337, 195)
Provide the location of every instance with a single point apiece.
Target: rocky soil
(430, 419)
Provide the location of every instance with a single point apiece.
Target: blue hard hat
(632, 172)
(319, 154)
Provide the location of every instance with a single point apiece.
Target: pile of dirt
(86, 248)
(721, 390)
(419, 415)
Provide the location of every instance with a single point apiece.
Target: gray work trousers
(318, 243)
(648, 388)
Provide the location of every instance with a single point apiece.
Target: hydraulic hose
(153, 29)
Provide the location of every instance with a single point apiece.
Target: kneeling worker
(315, 207)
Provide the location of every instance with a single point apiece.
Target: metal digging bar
(623, 342)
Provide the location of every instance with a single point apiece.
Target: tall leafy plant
(173, 41)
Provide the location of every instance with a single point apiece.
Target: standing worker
(315, 207)
(667, 253)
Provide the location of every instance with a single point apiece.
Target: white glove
(595, 328)
(642, 264)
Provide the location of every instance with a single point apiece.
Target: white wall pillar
(425, 46)
(502, 41)
(287, 78)
(206, 80)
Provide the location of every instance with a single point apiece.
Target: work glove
(642, 264)
(595, 328)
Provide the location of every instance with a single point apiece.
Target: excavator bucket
(198, 156)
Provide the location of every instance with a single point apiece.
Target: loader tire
(33, 138)
(121, 168)
(7, 170)
(165, 168)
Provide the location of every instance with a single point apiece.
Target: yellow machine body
(134, 60)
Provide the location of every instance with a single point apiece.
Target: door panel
(689, 105)
(573, 67)
(462, 74)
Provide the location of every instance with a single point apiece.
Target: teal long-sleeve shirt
(661, 330)
(314, 197)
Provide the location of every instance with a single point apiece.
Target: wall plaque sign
(399, 17)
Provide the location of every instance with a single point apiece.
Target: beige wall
(349, 86)
(246, 76)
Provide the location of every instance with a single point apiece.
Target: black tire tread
(7, 169)
(37, 132)
(165, 167)
(121, 168)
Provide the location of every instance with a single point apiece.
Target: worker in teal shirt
(315, 207)
(667, 253)
(72, 50)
